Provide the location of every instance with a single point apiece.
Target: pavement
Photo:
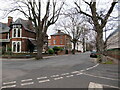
(65, 71)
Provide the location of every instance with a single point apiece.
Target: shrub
(50, 51)
(3, 50)
(60, 48)
(9, 49)
(56, 48)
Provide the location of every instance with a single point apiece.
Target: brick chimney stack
(10, 20)
(59, 31)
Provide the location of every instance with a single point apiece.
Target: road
(67, 71)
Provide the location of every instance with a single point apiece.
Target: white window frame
(54, 41)
(14, 27)
(8, 36)
(61, 41)
(16, 46)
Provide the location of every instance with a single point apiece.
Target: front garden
(51, 51)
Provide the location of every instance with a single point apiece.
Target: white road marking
(41, 78)
(13, 82)
(79, 73)
(9, 86)
(100, 77)
(47, 80)
(93, 85)
(75, 72)
(110, 86)
(29, 83)
(25, 80)
(58, 78)
(54, 76)
(82, 70)
(90, 67)
(70, 76)
(64, 74)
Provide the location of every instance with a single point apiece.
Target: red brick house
(60, 39)
(20, 36)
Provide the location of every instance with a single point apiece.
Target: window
(16, 46)
(14, 33)
(61, 42)
(17, 32)
(54, 41)
(8, 36)
(53, 37)
(60, 37)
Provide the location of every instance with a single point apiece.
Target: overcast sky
(101, 4)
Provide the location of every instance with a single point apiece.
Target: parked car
(93, 54)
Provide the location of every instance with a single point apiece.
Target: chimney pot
(59, 31)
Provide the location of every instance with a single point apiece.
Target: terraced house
(20, 36)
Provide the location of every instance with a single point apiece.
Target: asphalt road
(68, 71)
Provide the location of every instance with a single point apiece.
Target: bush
(50, 51)
(3, 50)
(57, 48)
(60, 48)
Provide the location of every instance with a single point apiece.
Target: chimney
(10, 20)
(59, 31)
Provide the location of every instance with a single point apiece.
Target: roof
(60, 33)
(27, 24)
(34, 42)
(114, 32)
(4, 28)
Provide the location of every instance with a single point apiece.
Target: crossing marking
(41, 78)
(13, 82)
(54, 76)
(42, 81)
(58, 78)
(8, 86)
(70, 76)
(29, 83)
(93, 85)
(64, 74)
(25, 80)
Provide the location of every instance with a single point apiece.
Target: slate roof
(60, 33)
(4, 28)
(26, 24)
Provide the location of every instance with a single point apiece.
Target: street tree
(41, 18)
(73, 26)
(99, 19)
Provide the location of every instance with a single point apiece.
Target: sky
(101, 4)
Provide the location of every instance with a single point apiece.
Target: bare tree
(73, 27)
(32, 10)
(99, 20)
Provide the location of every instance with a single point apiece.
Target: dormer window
(16, 32)
(19, 32)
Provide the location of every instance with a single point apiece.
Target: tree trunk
(74, 45)
(40, 43)
(99, 41)
(83, 44)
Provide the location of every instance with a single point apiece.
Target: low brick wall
(114, 54)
